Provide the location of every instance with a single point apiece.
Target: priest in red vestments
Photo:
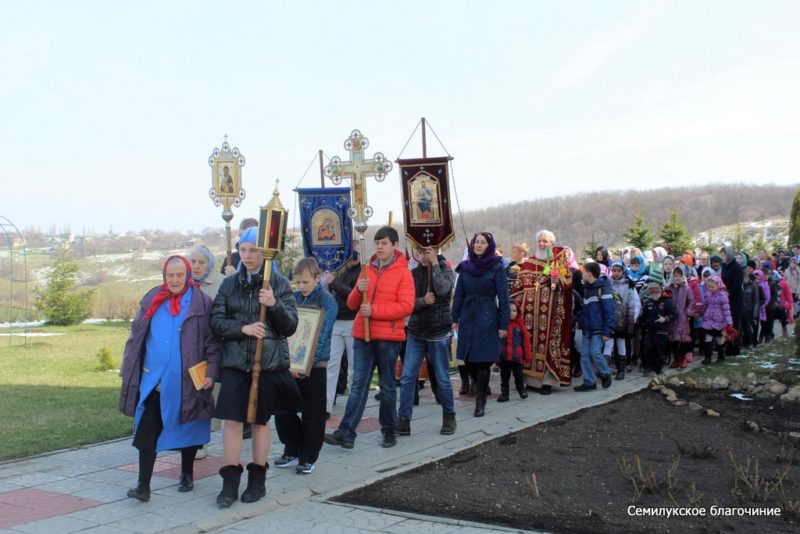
(544, 288)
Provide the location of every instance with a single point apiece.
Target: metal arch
(16, 312)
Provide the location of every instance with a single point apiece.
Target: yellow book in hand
(198, 374)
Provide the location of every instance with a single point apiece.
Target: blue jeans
(439, 357)
(366, 357)
(591, 355)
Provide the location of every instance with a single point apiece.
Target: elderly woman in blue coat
(481, 311)
(170, 334)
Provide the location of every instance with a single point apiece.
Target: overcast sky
(109, 110)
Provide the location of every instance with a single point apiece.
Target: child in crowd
(597, 325)
(658, 313)
(515, 350)
(764, 297)
(680, 336)
(667, 266)
(302, 436)
(750, 309)
(786, 310)
(773, 299)
(621, 338)
(716, 316)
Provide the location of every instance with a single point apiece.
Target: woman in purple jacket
(170, 334)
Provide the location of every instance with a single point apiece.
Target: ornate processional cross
(357, 170)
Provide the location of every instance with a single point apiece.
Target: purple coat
(197, 344)
(683, 299)
(716, 310)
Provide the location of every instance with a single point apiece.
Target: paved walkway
(83, 490)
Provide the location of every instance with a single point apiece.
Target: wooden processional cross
(357, 170)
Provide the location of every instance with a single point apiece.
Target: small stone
(776, 388)
(704, 384)
(720, 382)
(763, 380)
(689, 382)
(656, 380)
(752, 426)
(751, 379)
(788, 397)
(674, 381)
(671, 398)
(737, 383)
(696, 407)
(667, 392)
(711, 413)
(656, 387)
(794, 436)
(679, 403)
(763, 395)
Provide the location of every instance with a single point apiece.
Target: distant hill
(606, 215)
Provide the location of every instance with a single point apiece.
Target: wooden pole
(364, 297)
(262, 317)
(321, 170)
(424, 140)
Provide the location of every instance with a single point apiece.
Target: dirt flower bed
(595, 470)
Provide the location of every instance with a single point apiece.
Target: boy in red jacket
(390, 299)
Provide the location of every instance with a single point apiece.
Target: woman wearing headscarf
(733, 277)
(481, 311)
(170, 335)
(208, 280)
(203, 272)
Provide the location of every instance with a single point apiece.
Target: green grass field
(52, 393)
(775, 359)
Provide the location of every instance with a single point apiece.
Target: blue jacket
(321, 299)
(598, 312)
(481, 306)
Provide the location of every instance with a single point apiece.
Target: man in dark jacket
(235, 319)
(597, 325)
(429, 332)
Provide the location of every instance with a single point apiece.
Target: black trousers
(506, 369)
(746, 330)
(146, 438)
(653, 347)
(302, 436)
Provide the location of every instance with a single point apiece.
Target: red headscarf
(165, 293)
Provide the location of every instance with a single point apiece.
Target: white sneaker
(202, 452)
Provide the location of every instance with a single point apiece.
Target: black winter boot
(720, 354)
(503, 393)
(256, 483)
(620, 368)
(707, 349)
(231, 476)
(140, 492)
(464, 374)
(481, 389)
(448, 424)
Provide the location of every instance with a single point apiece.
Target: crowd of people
(539, 317)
